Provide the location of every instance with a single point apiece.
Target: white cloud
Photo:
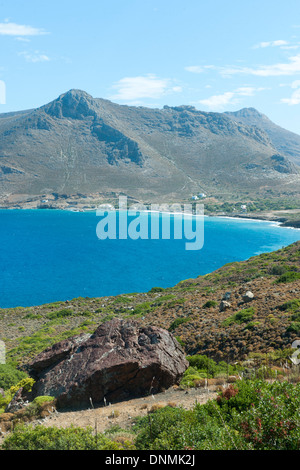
(229, 97)
(295, 46)
(140, 87)
(199, 68)
(34, 57)
(176, 89)
(282, 44)
(295, 97)
(291, 67)
(13, 29)
(278, 43)
(194, 69)
(247, 91)
(218, 101)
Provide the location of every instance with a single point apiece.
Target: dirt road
(123, 413)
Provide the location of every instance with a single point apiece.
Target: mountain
(80, 145)
(286, 142)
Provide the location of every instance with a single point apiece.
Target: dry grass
(156, 406)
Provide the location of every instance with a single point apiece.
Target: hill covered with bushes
(242, 308)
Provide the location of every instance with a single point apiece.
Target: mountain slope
(270, 321)
(81, 145)
(286, 142)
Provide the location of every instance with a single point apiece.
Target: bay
(52, 255)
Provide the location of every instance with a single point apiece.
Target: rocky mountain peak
(75, 104)
(248, 115)
(248, 112)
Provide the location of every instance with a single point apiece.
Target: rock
(248, 297)
(226, 296)
(224, 305)
(120, 360)
(17, 402)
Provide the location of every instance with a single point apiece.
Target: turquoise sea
(51, 255)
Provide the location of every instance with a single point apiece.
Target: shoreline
(283, 222)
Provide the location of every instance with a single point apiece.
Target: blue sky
(217, 56)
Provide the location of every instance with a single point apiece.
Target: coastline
(284, 222)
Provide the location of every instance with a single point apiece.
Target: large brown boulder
(120, 360)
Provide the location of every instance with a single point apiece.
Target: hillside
(196, 413)
(191, 310)
(80, 146)
(286, 142)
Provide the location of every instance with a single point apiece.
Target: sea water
(53, 255)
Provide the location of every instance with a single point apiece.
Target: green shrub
(277, 269)
(293, 305)
(43, 399)
(242, 316)
(249, 415)
(29, 346)
(272, 421)
(35, 408)
(210, 303)
(86, 313)
(296, 317)
(177, 429)
(4, 401)
(239, 397)
(163, 299)
(163, 429)
(33, 316)
(142, 309)
(204, 364)
(289, 276)
(253, 324)
(52, 438)
(26, 383)
(190, 376)
(265, 372)
(10, 376)
(156, 289)
(294, 327)
(65, 312)
(177, 322)
(206, 367)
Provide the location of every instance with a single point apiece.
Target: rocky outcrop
(224, 305)
(17, 403)
(120, 360)
(248, 296)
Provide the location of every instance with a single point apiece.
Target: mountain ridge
(80, 144)
(284, 140)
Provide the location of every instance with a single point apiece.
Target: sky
(217, 55)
